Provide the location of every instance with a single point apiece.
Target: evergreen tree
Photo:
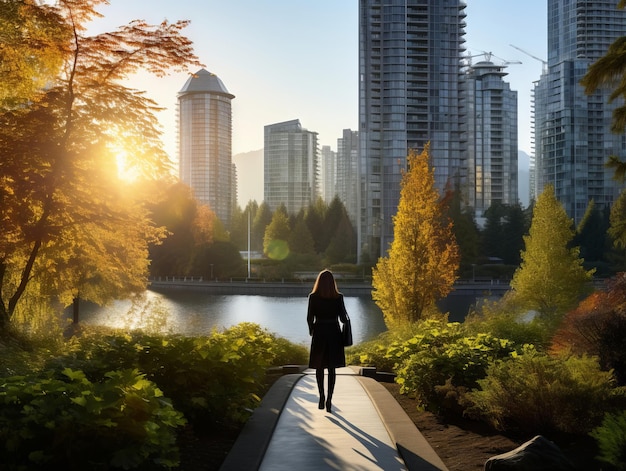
(314, 218)
(342, 246)
(492, 235)
(514, 227)
(551, 278)
(617, 234)
(424, 257)
(591, 236)
(277, 233)
(300, 239)
(465, 229)
(261, 220)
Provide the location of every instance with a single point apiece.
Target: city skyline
(299, 60)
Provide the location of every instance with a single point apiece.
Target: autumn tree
(551, 278)
(190, 227)
(34, 44)
(65, 214)
(423, 260)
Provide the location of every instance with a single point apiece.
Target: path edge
(414, 449)
(251, 444)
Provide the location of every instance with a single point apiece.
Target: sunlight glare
(125, 171)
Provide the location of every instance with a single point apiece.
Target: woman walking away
(326, 309)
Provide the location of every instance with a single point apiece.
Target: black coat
(323, 316)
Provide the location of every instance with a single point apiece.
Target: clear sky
(288, 59)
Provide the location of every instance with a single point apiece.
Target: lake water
(196, 313)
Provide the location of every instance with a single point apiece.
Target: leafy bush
(122, 422)
(611, 438)
(538, 393)
(213, 380)
(375, 352)
(443, 355)
(504, 319)
(598, 327)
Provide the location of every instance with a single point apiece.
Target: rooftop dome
(204, 81)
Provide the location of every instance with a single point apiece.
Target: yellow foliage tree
(69, 227)
(551, 278)
(423, 260)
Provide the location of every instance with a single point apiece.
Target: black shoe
(321, 405)
(328, 406)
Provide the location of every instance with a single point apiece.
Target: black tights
(332, 377)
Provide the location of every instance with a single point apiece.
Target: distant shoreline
(303, 288)
(261, 288)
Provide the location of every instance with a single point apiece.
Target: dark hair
(325, 285)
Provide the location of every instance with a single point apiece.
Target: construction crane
(545, 63)
(488, 56)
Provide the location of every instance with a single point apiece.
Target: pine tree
(423, 260)
(275, 244)
(551, 278)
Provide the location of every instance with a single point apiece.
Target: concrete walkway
(366, 430)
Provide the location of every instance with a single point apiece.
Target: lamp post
(248, 241)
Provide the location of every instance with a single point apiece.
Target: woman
(326, 309)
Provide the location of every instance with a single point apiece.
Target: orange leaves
(423, 259)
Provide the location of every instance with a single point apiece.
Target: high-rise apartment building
(572, 130)
(347, 172)
(205, 142)
(291, 173)
(492, 138)
(328, 170)
(410, 93)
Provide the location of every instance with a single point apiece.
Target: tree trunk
(75, 309)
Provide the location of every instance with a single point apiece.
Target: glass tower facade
(572, 130)
(290, 166)
(347, 173)
(492, 138)
(328, 166)
(205, 142)
(410, 93)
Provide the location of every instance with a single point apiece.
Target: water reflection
(196, 313)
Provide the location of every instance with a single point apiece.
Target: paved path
(366, 430)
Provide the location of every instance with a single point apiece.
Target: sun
(126, 172)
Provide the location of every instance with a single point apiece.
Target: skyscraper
(410, 93)
(347, 172)
(572, 130)
(291, 172)
(205, 142)
(328, 172)
(491, 138)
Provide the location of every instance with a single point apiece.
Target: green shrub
(375, 352)
(503, 319)
(215, 380)
(122, 422)
(441, 355)
(537, 393)
(611, 438)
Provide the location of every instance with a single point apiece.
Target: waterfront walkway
(366, 430)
